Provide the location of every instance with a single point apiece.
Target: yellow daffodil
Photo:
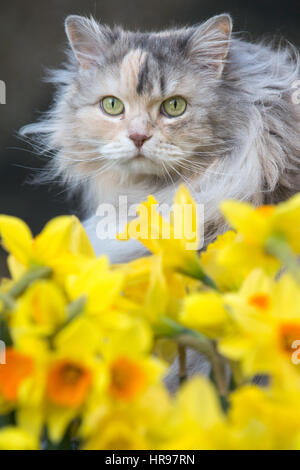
(141, 424)
(22, 385)
(266, 315)
(273, 231)
(55, 247)
(177, 240)
(131, 368)
(96, 291)
(16, 370)
(206, 313)
(73, 377)
(228, 261)
(40, 311)
(136, 278)
(198, 418)
(259, 419)
(97, 283)
(52, 387)
(130, 377)
(153, 289)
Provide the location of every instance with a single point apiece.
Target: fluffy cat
(238, 137)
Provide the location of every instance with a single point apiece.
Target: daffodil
(97, 304)
(229, 260)
(154, 289)
(260, 419)
(131, 368)
(80, 384)
(266, 318)
(22, 380)
(51, 386)
(259, 224)
(205, 312)
(198, 417)
(177, 240)
(134, 399)
(17, 369)
(139, 425)
(75, 374)
(72, 375)
(40, 311)
(136, 278)
(55, 247)
(98, 284)
(70, 382)
(273, 230)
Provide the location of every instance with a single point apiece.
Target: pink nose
(139, 139)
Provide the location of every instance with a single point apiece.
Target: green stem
(168, 327)
(217, 362)
(8, 301)
(194, 340)
(73, 309)
(278, 246)
(30, 276)
(209, 282)
(195, 270)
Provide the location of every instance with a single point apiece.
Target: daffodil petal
(16, 238)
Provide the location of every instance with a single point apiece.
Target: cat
(140, 113)
(237, 137)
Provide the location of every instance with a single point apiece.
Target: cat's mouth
(140, 156)
(140, 163)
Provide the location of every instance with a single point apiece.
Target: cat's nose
(139, 139)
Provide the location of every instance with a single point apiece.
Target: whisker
(180, 176)
(168, 173)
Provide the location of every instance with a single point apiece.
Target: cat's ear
(87, 39)
(209, 43)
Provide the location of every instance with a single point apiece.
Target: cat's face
(139, 103)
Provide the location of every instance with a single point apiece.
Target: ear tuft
(85, 38)
(224, 23)
(210, 42)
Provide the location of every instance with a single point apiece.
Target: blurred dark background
(32, 39)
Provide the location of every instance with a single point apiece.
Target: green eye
(112, 105)
(174, 106)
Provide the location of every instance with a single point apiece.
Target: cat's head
(138, 104)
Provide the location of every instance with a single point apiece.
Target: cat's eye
(112, 105)
(173, 107)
